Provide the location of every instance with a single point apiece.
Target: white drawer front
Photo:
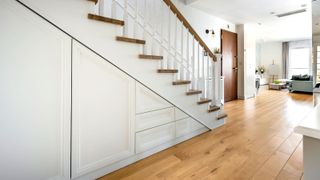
(146, 100)
(154, 118)
(180, 115)
(151, 138)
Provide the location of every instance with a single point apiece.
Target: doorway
(229, 50)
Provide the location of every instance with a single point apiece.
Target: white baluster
(114, 9)
(208, 77)
(217, 75)
(136, 24)
(126, 19)
(183, 70)
(198, 67)
(169, 62)
(188, 57)
(213, 86)
(177, 65)
(145, 16)
(100, 5)
(203, 75)
(193, 86)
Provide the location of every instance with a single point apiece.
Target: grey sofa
(301, 83)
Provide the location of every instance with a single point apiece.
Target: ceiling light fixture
(291, 13)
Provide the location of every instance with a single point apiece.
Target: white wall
(269, 52)
(247, 35)
(315, 42)
(201, 21)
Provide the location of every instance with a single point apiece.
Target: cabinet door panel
(103, 112)
(154, 137)
(154, 118)
(35, 78)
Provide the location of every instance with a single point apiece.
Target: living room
(285, 66)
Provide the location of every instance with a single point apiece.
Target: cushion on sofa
(300, 77)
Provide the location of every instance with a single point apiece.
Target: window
(318, 64)
(299, 61)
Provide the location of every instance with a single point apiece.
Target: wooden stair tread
(193, 92)
(105, 19)
(130, 40)
(167, 70)
(181, 82)
(153, 57)
(222, 116)
(213, 108)
(204, 101)
(95, 1)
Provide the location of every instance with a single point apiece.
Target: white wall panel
(103, 112)
(154, 137)
(179, 114)
(146, 100)
(154, 118)
(35, 69)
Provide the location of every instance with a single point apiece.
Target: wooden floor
(257, 142)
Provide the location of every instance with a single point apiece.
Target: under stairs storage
(168, 37)
(110, 82)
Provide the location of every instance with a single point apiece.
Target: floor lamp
(273, 70)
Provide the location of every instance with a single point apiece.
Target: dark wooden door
(229, 50)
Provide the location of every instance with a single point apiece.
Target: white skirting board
(103, 171)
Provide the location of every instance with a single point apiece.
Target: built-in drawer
(186, 126)
(155, 118)
(154, 137)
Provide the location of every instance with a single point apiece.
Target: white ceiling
(272, 28)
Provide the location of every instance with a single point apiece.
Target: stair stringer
(71, 17)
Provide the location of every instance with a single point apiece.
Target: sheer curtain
(296, 58)
(285, 59)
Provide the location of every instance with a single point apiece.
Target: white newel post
(217, 85)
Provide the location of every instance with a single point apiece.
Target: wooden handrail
(175, 10)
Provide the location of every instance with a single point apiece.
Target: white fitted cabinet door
(154, 118)
(154, 137)
(146, 100)
(35, 98)
(103, 112)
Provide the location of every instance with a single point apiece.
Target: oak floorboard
(257, 142)
(295, 164)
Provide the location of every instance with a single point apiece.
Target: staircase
(190, 61)
(152, 42)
